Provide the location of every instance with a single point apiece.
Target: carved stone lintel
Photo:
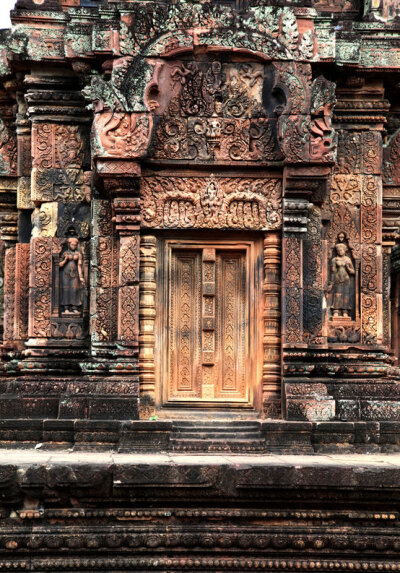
(211, 202)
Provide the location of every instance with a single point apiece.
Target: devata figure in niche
(340, 286)
(72, 279)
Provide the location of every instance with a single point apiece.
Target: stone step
(215, 424)
(211, 434)
(239, 445)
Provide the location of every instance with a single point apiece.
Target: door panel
(208, 324)
(184, 316)
(232, 320)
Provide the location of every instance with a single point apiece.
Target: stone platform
(218, 436)
(104, 511)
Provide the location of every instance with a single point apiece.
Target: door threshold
(209, 414)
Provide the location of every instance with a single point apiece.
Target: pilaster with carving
(272, 326)
(60, 192)
(8, 212)
(147, 320)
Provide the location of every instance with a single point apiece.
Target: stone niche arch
(218, 109)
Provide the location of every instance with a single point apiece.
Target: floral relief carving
(129, 260)
(57, 184)
(57, 146)
(40, 287)
(346, 189)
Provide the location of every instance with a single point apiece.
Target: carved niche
(341, 285)
(344, 259)
(69, 314)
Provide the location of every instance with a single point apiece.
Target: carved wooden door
(208, 323)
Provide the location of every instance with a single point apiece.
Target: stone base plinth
(71, 511)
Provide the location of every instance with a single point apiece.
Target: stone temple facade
(200, 286)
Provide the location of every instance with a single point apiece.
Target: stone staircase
(217, 436)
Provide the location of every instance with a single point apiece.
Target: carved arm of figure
(80, 269)
(333, 271)
(349, 266)
(67, 257)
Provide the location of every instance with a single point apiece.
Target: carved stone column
(147, 318)
(272, 323)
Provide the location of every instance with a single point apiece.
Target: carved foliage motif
(346, 189)
(57, 185)
(128, 330)
(221, 139)
(9, 294)
(57, 146)
(292, 269)
(371, 197)
(22, 291)
(40, 285)
(313, 273)
(359, 152)
(349, 152)
(226, 202)
(129, 260)
(122, 134)
(103, 300)
(129, 289)
(272, 31)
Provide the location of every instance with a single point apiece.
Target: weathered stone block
(310, 409)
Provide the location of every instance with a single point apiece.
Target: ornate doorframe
(266, 326)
